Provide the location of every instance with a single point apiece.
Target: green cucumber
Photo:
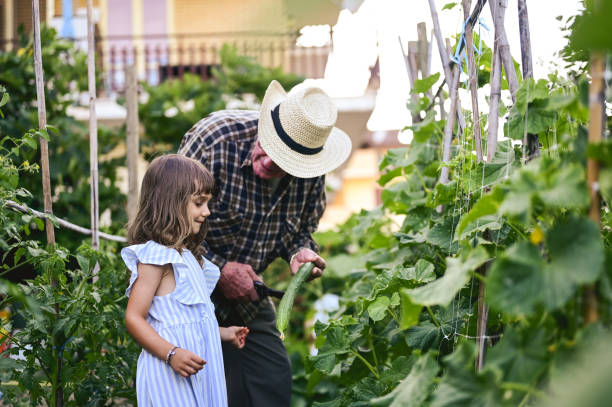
(284, 308)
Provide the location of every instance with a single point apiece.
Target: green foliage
(175, 105)
(78, 326)
(520, 228)
(73, 337)
(65, 75)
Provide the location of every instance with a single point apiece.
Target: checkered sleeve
(310, 221)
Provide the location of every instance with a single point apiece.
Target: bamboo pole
(469, 49)
(596, 129)
(498, 12)
(42, 123)
(525, 37)
(448, 73)
(450, 124)
(93, 129)
(481, 324)
(58, 391)
(494, 99)
(132, 142)
(61, 222)
(530, 141)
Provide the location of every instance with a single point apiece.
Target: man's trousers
(258, 375)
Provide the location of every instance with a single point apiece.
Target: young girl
(169, 312)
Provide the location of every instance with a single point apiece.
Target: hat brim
(336, 150)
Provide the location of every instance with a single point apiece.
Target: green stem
(524, 388)
(373, 352)
(433, 317)
(6, 300)
(418, 173)
(479, 276)
(16, 266)
(517, 230)
(394, 315)
(365, 362)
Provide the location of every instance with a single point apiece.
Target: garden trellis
(93, 140)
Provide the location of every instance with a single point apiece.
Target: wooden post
(498, 12)
(423, 48)
(596, 129)
(448, 74)
(42, 123)
(469, 49)
(530, 141)
(413, 73)
(93, 130)
(132, 142)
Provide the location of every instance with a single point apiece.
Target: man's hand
(236, 282)
(304, 256)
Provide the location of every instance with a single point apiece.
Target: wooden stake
(498, 12)
(448, 74)
(530, 141)
(469, 49)
(413, 70)
(481, 324)
(132, 142)
(42, 123)
(93, 129)
(423, 48)
(596, 129)
(494, 99)
(523, 18)
(450, 124)
(58, 395)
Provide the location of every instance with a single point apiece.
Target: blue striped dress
(185, 318)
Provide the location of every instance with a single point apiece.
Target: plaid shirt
(250, 221)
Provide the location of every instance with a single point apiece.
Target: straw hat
(297, 131)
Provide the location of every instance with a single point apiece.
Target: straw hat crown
(297, 131)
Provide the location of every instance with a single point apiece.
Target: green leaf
(414, 389)
(378, 309)
(443, 290)
(565, 188)
(425, 84)
(521, 354)
(462, 386)
(43, 134)
(5, 99)
(520, 279)
(449, 6)
(409, 312)
(485, 207)
(423, 336)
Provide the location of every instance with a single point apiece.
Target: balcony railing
(162, 57)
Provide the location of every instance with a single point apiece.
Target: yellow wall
(209, 16)
(76, 4)
(359, 190)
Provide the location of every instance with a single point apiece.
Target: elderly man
(269, 168)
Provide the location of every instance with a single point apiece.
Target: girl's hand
(186, 363)
(236, 335)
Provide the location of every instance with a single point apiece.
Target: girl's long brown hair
(168, 185)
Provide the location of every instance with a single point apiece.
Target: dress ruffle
(158, 254)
